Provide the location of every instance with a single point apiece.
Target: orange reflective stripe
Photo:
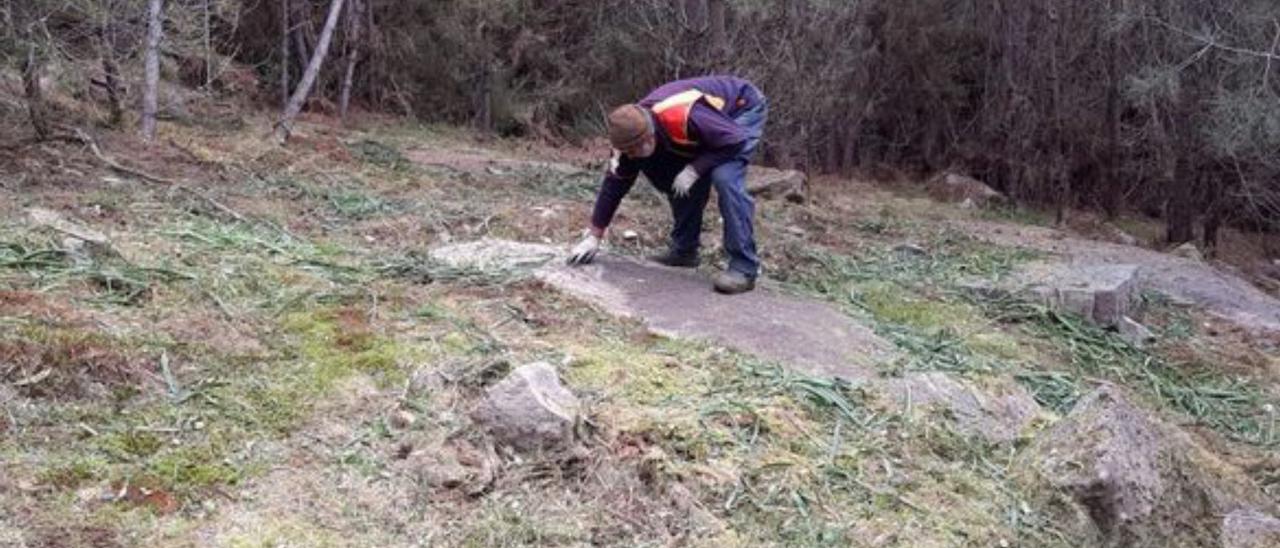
(673, 113)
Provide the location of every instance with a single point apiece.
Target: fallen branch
(124, 170)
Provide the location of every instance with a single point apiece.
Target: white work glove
(684, 181)
(614, 161)
(585, 251)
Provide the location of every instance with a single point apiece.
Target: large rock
(1100, 293)
(530, 410)
(998, 413)
(1250, 529)
(1112, 475)
(808, 335)
(963, 190)
(775, 183)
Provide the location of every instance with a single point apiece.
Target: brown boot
(731, 283)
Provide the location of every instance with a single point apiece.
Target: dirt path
(1218, 292)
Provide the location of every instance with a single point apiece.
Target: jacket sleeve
(719, 137)
(615, 186)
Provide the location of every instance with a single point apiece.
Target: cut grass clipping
(116, 280)
(1229, 405)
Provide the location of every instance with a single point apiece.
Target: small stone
(404, 450)
(445, 475)
(630, 235)
(1250, 529)
(796, 231)
(41, 217)
(530, 410)
(90, 495)
(1120, 236)
(403, 419)
(910, 250)
(1135, 333)
(1188, 251)
(960, 189)
(769, 183)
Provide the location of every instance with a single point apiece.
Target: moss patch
(637, 377)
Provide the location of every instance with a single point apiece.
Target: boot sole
(673, 265)
(734, 290)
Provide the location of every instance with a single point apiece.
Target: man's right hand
(586, 250)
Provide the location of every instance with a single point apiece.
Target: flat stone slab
(805, 334)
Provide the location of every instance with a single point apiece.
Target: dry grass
(293, 336)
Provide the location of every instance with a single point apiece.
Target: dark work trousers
(737, 208)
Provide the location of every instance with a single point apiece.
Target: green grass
(380, 154)
(916, 302)
(193, 438)
(1233, 406)
(114, 280)
(807, 455)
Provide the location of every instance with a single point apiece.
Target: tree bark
(300, 21)
(285, 125)
(151, 90)
(1113, 194)
(716, 22)
(208, 49)
(1180, 213)
(284, 54)
(35, 96)
(695, 14)
(353, 57)
(110, 70)
(1059, 179)
(112, 76)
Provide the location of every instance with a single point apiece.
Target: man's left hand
(684, 181)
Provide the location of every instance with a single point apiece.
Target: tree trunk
(151, 90)
(1212, 223)
(484, 99)
(1113, 193)
(300, 21)
(695, 14)
(353, 57)
(112, 75)
(1180, 213)
(1059, 178)
(284, 54)
(110, 70)
(208, 50)
(35, 96)
(285, 126)
(716, 21)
